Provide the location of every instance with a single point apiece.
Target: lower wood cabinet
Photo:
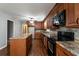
(60, 51)
(20, 47)
(28, 44)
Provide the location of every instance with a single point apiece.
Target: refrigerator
(32, 30)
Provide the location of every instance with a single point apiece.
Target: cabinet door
(77, 12)
(39, 25)
(60, 7)
(48, 22)
(45, 24)
(69, 14)
(59, 51)
(18, 47)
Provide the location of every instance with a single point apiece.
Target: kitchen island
(20, 45)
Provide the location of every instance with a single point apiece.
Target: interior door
(9, 34)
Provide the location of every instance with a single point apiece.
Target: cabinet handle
(77, 21)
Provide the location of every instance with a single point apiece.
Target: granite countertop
(49, 35)
(46, 34)
(72, 46)
(23, 36)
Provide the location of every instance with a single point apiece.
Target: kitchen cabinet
(69, 7)
(28, 44)
(72, 15)
(45, 24)
(76, 12)
(17, 47)
(39, 25)
(20, 46)
(49, 22)
(55, 10)
(60, 51)
(60, 7)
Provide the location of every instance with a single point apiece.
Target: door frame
(8, 41)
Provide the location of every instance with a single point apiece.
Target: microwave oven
(65, 36)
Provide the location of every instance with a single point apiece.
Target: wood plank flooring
(37, 48)
(3, 52)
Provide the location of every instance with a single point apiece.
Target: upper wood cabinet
(76, 6)
(69, 7)
(45, 24)
(72, 15)
(76, 11)
(39, 25)
(48, 22)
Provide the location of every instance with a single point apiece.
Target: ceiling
(27, 11)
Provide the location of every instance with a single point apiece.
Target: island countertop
(72, 46)
(23, 36)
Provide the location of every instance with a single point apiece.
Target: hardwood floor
(3, 52)
(37, 48)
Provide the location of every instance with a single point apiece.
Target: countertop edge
(24, 36)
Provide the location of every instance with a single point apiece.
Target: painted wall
(3, 28)
(17, 28)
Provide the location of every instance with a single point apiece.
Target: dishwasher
(52, 47)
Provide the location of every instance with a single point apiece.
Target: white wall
(17, 28)
(3, 28)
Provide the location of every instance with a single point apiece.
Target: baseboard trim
(3, 47)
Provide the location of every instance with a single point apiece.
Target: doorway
(9, 34)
